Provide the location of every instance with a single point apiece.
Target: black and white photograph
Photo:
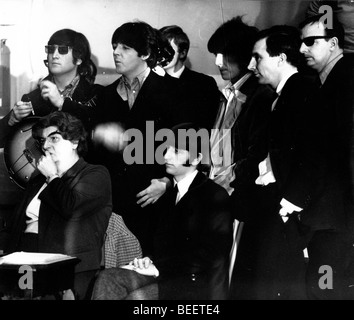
(180, 154)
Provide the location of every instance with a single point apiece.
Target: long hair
(234, 39)
(81, 50)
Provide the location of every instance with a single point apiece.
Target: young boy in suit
(192, 242)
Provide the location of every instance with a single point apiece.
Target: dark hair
(81, 50)
(336, 29)
(166, 52)
(283, 39)
(195, 140)
(235, 39)
(141, 37)
(70, 127)
(180, 38)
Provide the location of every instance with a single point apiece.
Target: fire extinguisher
(5, 79)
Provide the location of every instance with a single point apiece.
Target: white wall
(28, 24)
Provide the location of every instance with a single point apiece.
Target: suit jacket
(81, 105)
(334, 102)
(249, 132)
(155, 106)
(266, 265)
(73, 215)
(193, 242)
(202, 96)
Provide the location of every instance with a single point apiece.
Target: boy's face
(127, 61)
(175, 162)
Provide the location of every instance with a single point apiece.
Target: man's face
(229, 69)
(318, 52)
(263, 65)
(51, 141)
(174, 60)
(175, 160)
(62, 63)
(127, 61)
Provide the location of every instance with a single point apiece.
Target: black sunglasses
(61, 49)
(309, 41)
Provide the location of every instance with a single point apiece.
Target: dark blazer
(266, 264)
(155, 106)
(73, 215)
(80, 105)
(332, 205)
(249, 131)
(193, 243)
(202, 95)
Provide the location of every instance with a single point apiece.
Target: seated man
(193, 239)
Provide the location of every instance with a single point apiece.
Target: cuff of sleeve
(289, 207)
(51, 178)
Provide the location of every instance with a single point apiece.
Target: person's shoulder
(213, 188)
(301, 82)
(198, 76)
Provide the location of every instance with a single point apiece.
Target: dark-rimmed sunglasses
(61, 49)
(309, 41)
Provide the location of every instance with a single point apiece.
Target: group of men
(279, 159)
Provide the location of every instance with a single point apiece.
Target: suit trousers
(123, 284)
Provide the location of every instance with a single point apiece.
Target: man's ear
(333, 42)
(182, 55)
(282, 58)
(145, 57)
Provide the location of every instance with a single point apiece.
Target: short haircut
(192, 138)
(336, 29)
(70, 128)
(234, 39)
(81, 50)
(141, 37)
(177, 34)
(283, 39)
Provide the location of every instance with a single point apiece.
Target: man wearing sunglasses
(331, 244)
(68, 87)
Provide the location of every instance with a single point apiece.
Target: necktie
(275, 97)
(174, 194)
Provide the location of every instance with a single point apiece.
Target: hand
(110, 135)
(47, 166)
(20, 110)
(284, 214)
(143, 266)
(49, 91)
(153, 192)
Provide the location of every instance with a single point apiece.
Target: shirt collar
(328, 68)
(236, 86)
(178, 73)
(284, 80)
(139, 79)
(185, 183)
(70, 88)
